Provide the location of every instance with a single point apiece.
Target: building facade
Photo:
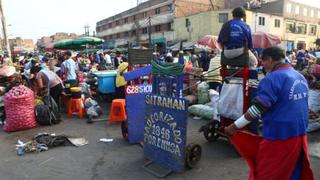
(300, 26)
(19, 43)
(45, 41)
(131, 27)
(210, 23)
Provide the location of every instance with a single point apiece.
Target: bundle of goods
(200, 110)
(19, 109)
(203, 93)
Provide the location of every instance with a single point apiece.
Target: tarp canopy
(265, 40)
(186, 45)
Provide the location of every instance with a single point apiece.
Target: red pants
(273, 160)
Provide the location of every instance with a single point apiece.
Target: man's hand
(231, 129)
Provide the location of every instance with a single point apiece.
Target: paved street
(116, 160)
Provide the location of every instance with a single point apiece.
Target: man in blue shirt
(69, 69)
(282, 104)
(235, 37)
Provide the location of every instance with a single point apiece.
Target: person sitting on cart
(282, 104)
(235, 37)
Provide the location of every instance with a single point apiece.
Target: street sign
(165, 131)
(135, 109)
(140, 56)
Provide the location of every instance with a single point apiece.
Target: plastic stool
(76, 106)
(118, 111)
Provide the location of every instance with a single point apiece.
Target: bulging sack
(19, 109)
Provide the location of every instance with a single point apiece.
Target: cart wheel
(124, 130)
(211, 131)
(193, 155)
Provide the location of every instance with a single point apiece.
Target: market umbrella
(68, 44)
(209, 41)
(265, 40)
(87, 40)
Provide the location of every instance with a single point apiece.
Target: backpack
(48, 112)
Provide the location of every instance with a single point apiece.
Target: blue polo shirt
(240, 32)
(284, 93)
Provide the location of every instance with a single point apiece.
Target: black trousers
(55, 93)
(120, 92)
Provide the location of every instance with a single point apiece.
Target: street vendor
(69, 70)
(235, 37)
(282, 104)
(120, 81)
(48, 80)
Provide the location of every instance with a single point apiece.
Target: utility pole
(149, 32)
(4, 27)
(86, 30)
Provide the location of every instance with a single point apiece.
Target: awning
(159, 40)
(186, 45)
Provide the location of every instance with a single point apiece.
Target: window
(133, 33)
(262, 21)
(126, 34)
(117, 23)
(158, 28)
(157, 10)
(312, 13)
(118, 35)
(169, 27)
(290, 27)
(305, 12)
(288, 8)
(188, 23)
(144, 14)
(170, 7)
(144, 30)
(111, 37)
(301, 28)
(110, 25)
(134, 17)
(277, 23)
(125, 20)
(223, 17)
(297, 11)
(313, 30)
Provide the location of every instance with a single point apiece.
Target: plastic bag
(203, 93)
(92, 108)
(313, 100)
(231, 99)
(214, 97)
(201, 110)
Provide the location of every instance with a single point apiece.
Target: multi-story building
(300, 22)
(131, 26)
(26, 44)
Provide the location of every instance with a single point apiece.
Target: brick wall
(190, 7)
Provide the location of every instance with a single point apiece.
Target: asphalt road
(117, 160)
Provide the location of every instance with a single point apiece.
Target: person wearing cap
(282, 103)
(235, 37)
